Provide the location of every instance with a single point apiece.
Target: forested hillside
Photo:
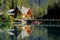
(38, 7)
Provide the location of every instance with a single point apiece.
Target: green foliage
(38, 11)
(23, 3)
(6, 21)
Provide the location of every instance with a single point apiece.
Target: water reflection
(38, 33)
(53, 33)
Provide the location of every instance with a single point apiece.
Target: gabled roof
(12, 11)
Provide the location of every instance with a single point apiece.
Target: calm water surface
(38, 33)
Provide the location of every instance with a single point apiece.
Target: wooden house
(15, 12)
